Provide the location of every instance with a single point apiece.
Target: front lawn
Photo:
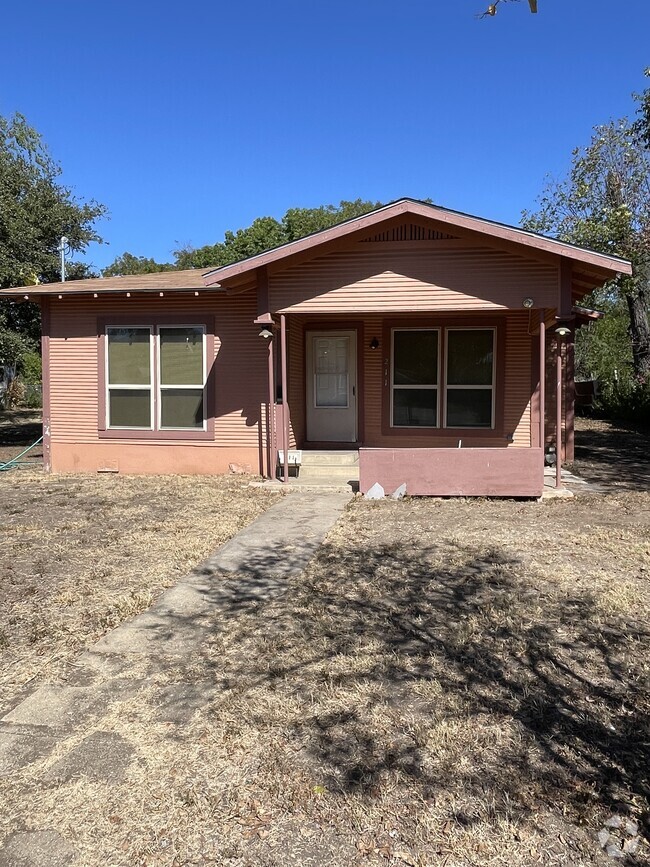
(450, 682)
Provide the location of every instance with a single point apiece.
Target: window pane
(181, 356)
(470, 357)
(415, 357)
(129, 356)
(469, 407)
(129, 407)
(181, 407)
(415, 407)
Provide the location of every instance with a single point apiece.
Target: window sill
(158, 435)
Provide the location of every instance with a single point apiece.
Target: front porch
(469, 424)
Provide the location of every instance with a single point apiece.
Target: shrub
(31, 368)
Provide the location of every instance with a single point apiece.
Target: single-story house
(436, 345)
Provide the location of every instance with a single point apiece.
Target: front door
(332, 386)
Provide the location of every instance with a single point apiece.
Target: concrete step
(322, 458)
(333, 474)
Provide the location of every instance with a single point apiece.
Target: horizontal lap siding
(296, 354)
(517, 385)
(403, 280)
(239, 364)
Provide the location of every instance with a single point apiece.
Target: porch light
(374, 343)
(562, 330)
(528, 303)
(266, 332)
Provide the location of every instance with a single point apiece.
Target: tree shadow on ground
(614, 454)
(414, 675)
(449, 668)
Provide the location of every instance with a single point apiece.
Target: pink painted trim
(498, 432)
(539, 416)
(453, 219)
(285, 394)
(558, 413)
(104, 432)
(46, 383)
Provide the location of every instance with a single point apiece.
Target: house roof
(177, 281)
(593, 268)
(412, 207)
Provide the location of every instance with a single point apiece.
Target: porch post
(270, 438)
(558, 412)
(542, 381)
(285, 403)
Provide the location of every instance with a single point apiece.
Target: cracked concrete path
(253, 567)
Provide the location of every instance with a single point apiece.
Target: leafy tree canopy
(127, 263)
(36, 210)
(267, 232)
(604, 203)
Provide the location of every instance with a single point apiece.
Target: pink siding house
(423, 339)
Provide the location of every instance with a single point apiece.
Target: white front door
(332, 386)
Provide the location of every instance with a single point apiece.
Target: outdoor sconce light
(562, 330)
(266, 332)
(374, 343)
(528, 303)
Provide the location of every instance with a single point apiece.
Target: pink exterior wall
(239, 378)
(413, 277)
(454, 472)
(516, 388)
(367, 285)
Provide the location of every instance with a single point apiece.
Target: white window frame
(160, 387)
(435, 387)
(155, 388)
(130, 387)
(491, 387)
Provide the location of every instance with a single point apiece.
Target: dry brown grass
(80, 554)
(449, 683)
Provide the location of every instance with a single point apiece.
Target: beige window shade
(181, 356)
(129, 356)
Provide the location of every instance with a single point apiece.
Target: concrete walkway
(252, 567)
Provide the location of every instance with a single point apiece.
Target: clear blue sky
(187, 119)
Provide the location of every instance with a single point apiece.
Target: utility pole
(62, 245)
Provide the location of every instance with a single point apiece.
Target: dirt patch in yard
(80, 554)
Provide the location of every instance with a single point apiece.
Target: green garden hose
(17, 462)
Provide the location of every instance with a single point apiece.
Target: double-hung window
(469, 373)
(415, 377)
(443, 378)
(156, 378)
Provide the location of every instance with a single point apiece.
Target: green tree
(127, 263)
(264, 233)
(604, 204)
(36, 210)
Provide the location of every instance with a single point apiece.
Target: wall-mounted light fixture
(266, 332)
(562, 330)
(528, 303)
(374, 343)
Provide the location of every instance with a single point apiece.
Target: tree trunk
(637, 302)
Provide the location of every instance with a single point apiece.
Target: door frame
(342, 325)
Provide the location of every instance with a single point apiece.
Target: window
(155, 377)
(465, 390)
(470, 378)
(415, 377)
